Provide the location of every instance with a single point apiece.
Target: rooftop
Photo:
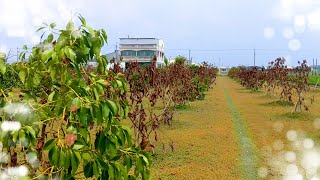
(139, 38)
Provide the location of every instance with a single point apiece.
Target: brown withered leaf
(146, 145)
(70, 139)
(74, 108)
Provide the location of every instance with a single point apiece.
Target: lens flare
(292, 135)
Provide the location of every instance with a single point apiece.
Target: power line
(239, 49)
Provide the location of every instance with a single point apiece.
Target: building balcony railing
(138, 48)
(137, 58)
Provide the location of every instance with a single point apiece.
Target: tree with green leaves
(180, 59)
(166, 61)
(65, 121)
(3, 57)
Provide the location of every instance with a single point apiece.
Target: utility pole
(189, 54)
(254, 57)
(17, 54)
(116, 52)
(313, 71)
(316, 66)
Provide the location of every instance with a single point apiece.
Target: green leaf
(22, 135)
(3, 67)
(145, 159)
(15, 136)
(96, 93)
(72, 129)
(67, 160)
(128, 162)
(100, 142)
(97, 49)
(40, 28)
(49, 144)
(113, 107)
(70, 53)
(70, 26)
(84, 113)
(50, 38)
(88, 170)
(36, 79)
(112, 150)
(53, 73)
(31, 131)
(50, 97)
(54, 155)
(76, 101)
(104, 34)
(77, 145)
(139, 166)
(105, 110)
(98, 114)
(86, 157)
(83, 20)
(46, 54)
(146, 174)
(52, 25)
(84, 133)
(62, 158)
(127, 132)
(120, 86)
(75, 161)
(25, 48)
(22, 76)
(96, 170)
(2, 56)
(111, 172)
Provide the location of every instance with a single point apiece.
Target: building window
(128, 53)
(147, 53)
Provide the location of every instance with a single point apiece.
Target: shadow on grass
(183, 107)
(277, 103)
(305, 116)
(178, 124)
(250, 91)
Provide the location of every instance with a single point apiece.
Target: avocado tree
(180, 59)
(65, 122)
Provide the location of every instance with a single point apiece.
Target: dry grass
(205, 145)
(205, 142)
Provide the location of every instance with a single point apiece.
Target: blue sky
(211, 29)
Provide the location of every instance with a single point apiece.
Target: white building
(142, 50)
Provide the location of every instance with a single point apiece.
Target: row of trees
(167, 87)
(62, 119)
(277, 75)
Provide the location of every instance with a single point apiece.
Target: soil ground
(235, 134)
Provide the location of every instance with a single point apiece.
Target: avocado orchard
(61, 118)
(290, 81)
(69, 119)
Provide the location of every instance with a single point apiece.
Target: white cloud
(288, 33)
(3, 48)
(299, 23)
(269, 32)
(313, 20)
(35, 39)
(294, 44)
(19, 18)
(287, 9)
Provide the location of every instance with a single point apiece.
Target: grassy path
(204, 140)
(245, 143)
(229, 135)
